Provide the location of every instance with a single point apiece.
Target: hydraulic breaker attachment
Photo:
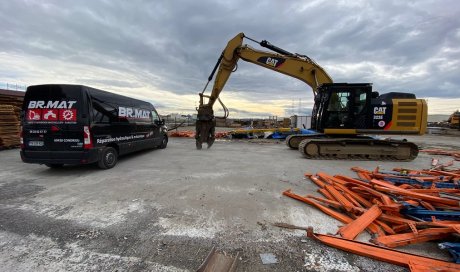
(205, 126)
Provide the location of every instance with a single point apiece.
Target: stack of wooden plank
(398, 207)
(11, 98)
(9, 126)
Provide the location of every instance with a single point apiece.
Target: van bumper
(60, 157)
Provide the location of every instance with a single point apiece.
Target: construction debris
(186, 134)
(269, 133)
(288, 226)
(218, 262)
(453, 153)
(273, 133)
(454, 249)
(398, 207)
(414, 262)
(191, 134)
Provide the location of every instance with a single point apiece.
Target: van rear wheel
(109, 158)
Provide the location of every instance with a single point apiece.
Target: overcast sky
(163, 51)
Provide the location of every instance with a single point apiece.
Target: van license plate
(36, 143)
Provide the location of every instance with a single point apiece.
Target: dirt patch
(19, 189)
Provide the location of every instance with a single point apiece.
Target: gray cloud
(173, 45)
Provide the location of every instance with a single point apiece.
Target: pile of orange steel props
(398, 207)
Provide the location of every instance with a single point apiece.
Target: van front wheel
(164, 142)
(109, 158)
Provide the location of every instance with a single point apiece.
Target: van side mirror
(159, 122)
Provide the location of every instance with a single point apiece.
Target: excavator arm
(280, 60)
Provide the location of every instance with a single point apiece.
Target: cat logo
(273, 62)
(380, 110)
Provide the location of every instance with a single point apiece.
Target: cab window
(360, 102)
(339, 101)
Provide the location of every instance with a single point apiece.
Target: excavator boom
(280, 60)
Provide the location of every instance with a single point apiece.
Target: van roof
(91, 89)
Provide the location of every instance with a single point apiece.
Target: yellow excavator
(454, 120)
(343, 116)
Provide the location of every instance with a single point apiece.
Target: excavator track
(358, 149)
(293, 141)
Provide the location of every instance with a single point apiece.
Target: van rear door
(54, 117)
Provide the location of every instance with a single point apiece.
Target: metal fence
(172, 122)
(12, 86)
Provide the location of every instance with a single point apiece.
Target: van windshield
(53, 104)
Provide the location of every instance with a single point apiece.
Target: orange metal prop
(385, 227)
(390, 188)
(340, 198)
(339, 216)
(406, 186)
(360, 170)
(349, 195)
(436, 190)
(352, 180)
(413, 238)
(331, 203)
(364, 176)
(318, 182)
(332, 179)
(427, 206)
(374, 229)
(360, 199)
(385, 199)
(378, 228)
(395, 219)
(325, 193)
(351, 199)
(354, 228)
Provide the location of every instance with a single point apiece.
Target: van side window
(104, 112)
(155, 116)
(100, 117)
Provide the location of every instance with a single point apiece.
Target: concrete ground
(163, 210)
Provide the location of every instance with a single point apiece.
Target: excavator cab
(353, 109)
(342, 106)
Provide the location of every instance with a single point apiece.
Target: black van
(75, 124)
